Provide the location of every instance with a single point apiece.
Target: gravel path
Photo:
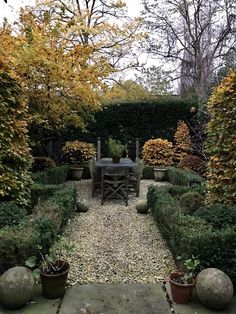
(115, 244)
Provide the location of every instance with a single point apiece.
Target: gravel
(115, 244)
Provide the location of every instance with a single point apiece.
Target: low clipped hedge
(148, 172)
(11, 214)
(181, 177)
(49, 218)
(41, 192)
(56, 175)
(189, 235)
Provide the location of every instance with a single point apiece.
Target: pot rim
(57, 274)
(176, 274)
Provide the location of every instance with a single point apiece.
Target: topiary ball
(214, 288)
(190, 202)
(16, 286)
(142, 207)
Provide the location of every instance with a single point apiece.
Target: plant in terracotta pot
(53, 269)
(77, 154)
(183, 281)
(115, 149)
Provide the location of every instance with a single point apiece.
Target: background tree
(194, 35)
(221, 143)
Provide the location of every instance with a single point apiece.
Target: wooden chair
(135, 177)
(114, 183)
(95, 174)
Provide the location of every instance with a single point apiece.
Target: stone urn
(76, 172)
(159, 174)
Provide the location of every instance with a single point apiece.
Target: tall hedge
(128, 121)
(221, 142)
(15, 158)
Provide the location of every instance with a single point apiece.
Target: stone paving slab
(195, 307)
(115, 299)
(38, 305)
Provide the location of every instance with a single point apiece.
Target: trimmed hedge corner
(189, 235)
(56, 175)
(181, 177)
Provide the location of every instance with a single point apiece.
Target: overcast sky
(10, 9)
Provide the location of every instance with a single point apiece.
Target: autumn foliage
(221, 142)
(78, 153)
(15, 158)
(158, 152)
(182, 141)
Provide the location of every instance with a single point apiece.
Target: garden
(58, 123)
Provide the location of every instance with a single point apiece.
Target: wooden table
(114, 178)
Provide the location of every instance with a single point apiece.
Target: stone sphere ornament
(16, 287)
(214, 288)
(142, 207)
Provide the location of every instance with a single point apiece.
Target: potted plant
(53, 269)
(77, 154)
(183, 281)
(115, 149)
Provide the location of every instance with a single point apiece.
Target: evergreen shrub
(189, 236)
(54, 175)
(11, 214)
(218, 215)
(180, 177)
(190, 202)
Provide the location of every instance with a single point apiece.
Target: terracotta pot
(116, 159)
(181, 293)
(54, 285)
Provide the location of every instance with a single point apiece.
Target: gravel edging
(114, 244)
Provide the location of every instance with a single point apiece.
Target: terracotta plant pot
(54, 285)
(181, 293)
(116, 159)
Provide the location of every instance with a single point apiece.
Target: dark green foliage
(11, 214)
(218, 215)
(42, 163)
(55, 175)
(128, 121)
(162, 206)
(42, 192)
(189, 235)
(44, 227)
(66, 200)
(58, 208)
(178, 190)
(148, 172)
(190, 202)
(182, 177)
(16, 245)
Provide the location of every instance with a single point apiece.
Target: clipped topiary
(221, 143)
(190, 202)
(183, 144)
(78, 153)
(194, 163)
(158, 152)
(15, 159)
